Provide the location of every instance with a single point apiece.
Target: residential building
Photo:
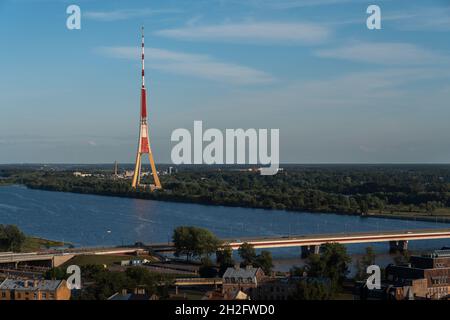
(230, 295)
(274, 288)
(137, 294)
(424, 277)
(11, 289)
(241, 279)
(433, 269)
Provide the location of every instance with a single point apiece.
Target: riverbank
(391, 191)
(32, 244)
(91, 220)
(169, 196)
(411, 216)
(400, 216)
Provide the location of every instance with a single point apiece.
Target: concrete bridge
(57, 257)
(398, 240)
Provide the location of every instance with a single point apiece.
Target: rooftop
(247, 272)
(439, 254)
(33, 285)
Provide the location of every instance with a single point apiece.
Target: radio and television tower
(144, 139)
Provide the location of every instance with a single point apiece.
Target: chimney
(237, 266)
(124, 292)
(25, 283)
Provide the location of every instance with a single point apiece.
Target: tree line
(348, 189)
(11, 238)
(200, 244)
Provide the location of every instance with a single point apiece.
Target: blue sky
(337, 91)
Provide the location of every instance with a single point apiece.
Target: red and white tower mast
(144, 139)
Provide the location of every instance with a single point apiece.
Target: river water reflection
(90, 220)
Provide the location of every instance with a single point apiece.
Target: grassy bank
(32, 244)
(442, 217)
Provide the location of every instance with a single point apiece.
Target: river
(91, 220)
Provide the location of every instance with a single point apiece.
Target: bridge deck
(318, 239)
(359, 237)
(10, 257)
(257, 242)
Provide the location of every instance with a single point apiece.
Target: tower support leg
(154, 172)
(137, 171)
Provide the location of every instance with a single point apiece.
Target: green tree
(140, 277)
(11, 238)
(56, 274)
(264, 261)
(249, 257)
(332, 263)
(361, 265)
(312, 290)
(207, 269)
(194, 242)
(104, 283)
(247, 253)
(364, 206)
(224, 258)
(402, 258)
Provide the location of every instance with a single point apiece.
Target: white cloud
(253, 32)
(385, 111)
(422, 18)
(290, 4)
(123, 14)
(383, 53)
(362, 92)
(201, 66)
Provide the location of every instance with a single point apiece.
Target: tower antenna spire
(144, 138)
(143, 58)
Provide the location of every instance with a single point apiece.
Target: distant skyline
(338, 92)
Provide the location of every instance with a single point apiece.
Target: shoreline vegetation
(13, 239)
(33, 244)
(411, 192)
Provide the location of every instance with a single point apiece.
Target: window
(44, 296)
(3, 294)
